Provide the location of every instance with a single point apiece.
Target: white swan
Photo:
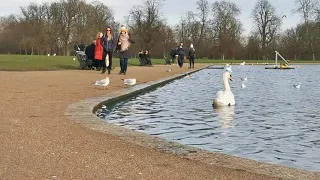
(103, 82)
(243, 63)
(130, 82)
(226, 97)
(297, 85)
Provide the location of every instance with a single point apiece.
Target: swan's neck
(226, 83)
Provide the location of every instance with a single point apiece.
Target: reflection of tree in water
(227, 116)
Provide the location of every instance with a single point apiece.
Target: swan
(130, 82)
(243, 85)
(243, 63)
(226, 97)
(297, 85)
(103, 82)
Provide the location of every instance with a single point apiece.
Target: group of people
(180, 53)
(144, 58)
(102, 48)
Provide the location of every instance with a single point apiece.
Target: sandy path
(38, 142)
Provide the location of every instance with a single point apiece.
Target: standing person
(180, 55)
(108, 45)
(90, 53)
(123, 47)
(147, 58)
(98, 51)
(173, 55)
(191, 56)
(82, 46)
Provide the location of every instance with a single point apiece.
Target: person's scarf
(125, 44)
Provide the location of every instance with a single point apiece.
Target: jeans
(123, 64)
(180, 60)
(191, 60)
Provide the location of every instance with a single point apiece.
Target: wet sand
(39, 142)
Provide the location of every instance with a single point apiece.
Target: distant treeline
(214, 29)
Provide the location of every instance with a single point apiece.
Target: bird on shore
(103, 82)
(243, 63)
(129, 82)
(297, 85)
(169, 70)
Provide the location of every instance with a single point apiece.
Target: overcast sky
(173, 9)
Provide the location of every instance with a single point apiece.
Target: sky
(172, 10)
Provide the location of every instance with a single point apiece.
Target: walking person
(173, 55)
(180, 55)
(123, 47)
(108, 45)
(191, 55)
(98, 52)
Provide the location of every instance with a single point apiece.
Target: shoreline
(38, 141)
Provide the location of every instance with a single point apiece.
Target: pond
(272, 120)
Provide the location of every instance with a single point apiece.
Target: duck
(243, 85)
(225, 97)
(227, 67)
(297, 85)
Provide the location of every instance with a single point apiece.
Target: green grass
(44, 63)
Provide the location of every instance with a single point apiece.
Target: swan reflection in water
(226, 115)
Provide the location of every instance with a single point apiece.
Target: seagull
(244, 79)
(297, 85)
(227, 67)
(243, 85)
(284, 16)
(103, 82)
(130, 82)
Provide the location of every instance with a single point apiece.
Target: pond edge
(83, 113)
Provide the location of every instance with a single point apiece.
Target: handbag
(107, 60)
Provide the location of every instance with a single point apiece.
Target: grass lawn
(44, 63)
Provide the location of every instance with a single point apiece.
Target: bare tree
(307, 8)
(204, 9)
(267, 23)
(226, 25)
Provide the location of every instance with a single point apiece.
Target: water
(271, 122)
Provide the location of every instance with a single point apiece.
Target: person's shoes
(120, 72)
(103, 71)
(189, 68)
(124, 73)
(109, 72)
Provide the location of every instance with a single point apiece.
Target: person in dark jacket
(141, 58)
(173, 55)
(123, 47)
(90, 53)
(191, 55)
(108, 46)
(147, 58)
(82, 46)
(180, 55)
